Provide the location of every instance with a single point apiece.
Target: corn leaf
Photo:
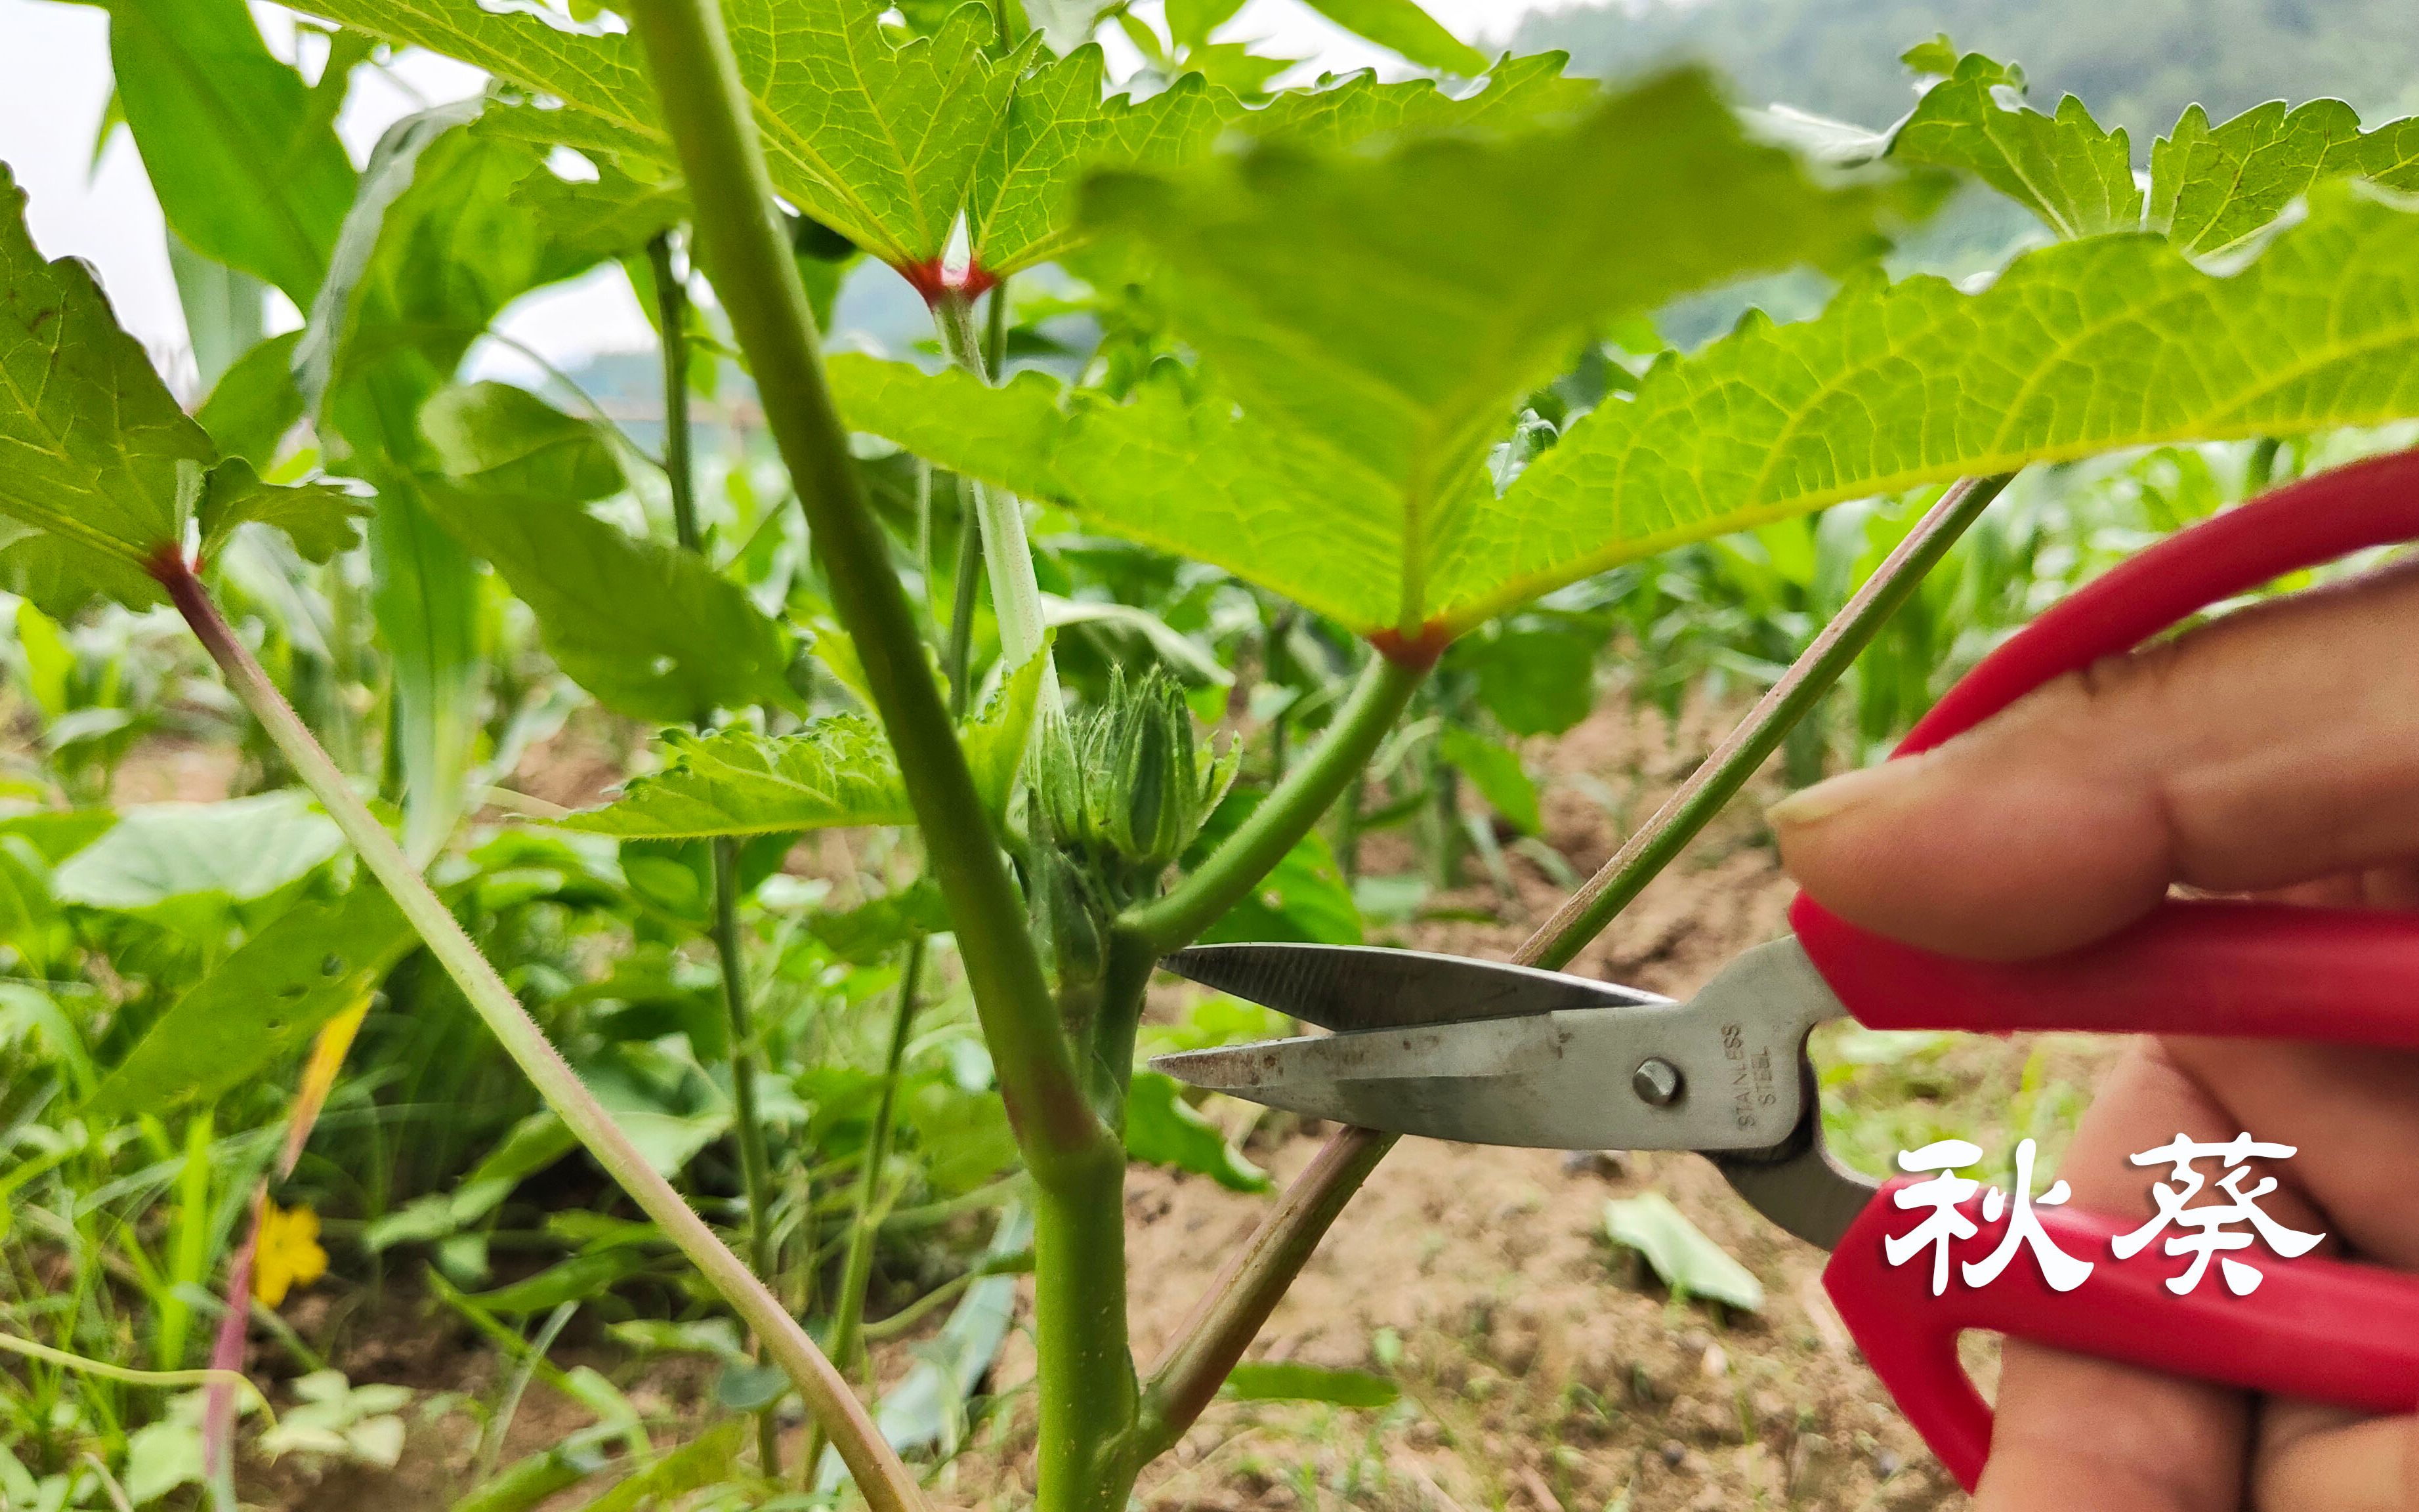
(2065, 169)
(2214, 187)
(837, 772)
(652, 630)
(264, 1001)
(248, 167)
(100, 471)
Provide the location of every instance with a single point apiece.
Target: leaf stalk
(880, 1475)
(1249, 1286)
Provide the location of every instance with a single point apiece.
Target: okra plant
(1344, 320)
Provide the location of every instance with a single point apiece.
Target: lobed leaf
(2214, 187)
(100, 471)
(837, 772)
(890, 143)
(1519, 92)
(1376, 347)
(2065, 169)
(2077, 349)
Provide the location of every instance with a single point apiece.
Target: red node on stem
(1417, 651)
(934, 282)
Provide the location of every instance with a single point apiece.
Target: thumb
(2278, 744)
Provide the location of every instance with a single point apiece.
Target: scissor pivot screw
(1656, 1081)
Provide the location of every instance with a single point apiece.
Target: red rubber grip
(2320, 1329)
(2189, 967)
(2324, 1329)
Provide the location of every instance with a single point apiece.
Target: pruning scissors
(1460, 1049)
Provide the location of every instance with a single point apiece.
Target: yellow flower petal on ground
(289, 1253)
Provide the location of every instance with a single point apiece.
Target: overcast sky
(54, 81)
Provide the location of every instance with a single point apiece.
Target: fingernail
(1835, 796)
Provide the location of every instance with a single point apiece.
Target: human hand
(2277, 753)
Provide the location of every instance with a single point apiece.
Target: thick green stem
(1287, 815)
(706, 113)
(879, 1476)
(1088, 1396)
(755, 1166)
(1253, 1281)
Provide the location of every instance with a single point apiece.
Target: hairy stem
(1718, 778)
(706, 113)
(883, 1479)
(1288, 812)
(1247, 1290)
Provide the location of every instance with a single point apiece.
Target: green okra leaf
(2077, 349)
(254, 402)
(837, 772)
(100, 471)
(2065, 169)
(890, 142)
(238, 848)
(2214, 187)
(1367, 350)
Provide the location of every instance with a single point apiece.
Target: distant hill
(2136, 63)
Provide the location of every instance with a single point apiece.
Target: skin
(2273, 752)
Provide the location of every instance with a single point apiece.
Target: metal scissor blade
(1347, 987)
(1566, 1079)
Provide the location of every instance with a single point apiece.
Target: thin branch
(1249, 1286)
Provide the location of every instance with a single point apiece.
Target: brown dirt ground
(1542, 1369)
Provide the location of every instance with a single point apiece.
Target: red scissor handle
(2338, 1333)
(2265, 970)
(2325, 1330)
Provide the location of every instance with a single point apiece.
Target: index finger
(2278, 744)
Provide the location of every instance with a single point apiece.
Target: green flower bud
(1127, 789)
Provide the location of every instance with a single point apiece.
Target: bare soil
(1542, 1368)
